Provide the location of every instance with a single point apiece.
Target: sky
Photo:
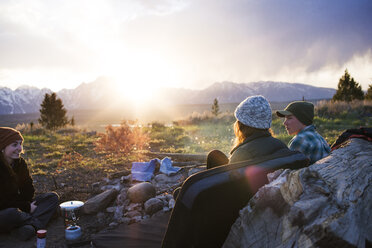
(144, 44)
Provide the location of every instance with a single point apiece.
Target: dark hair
(242, 132)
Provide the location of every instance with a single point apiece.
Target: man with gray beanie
(298, 121)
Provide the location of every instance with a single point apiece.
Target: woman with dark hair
(253, 137)
(19, 210)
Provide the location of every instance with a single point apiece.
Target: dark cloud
(320, 31)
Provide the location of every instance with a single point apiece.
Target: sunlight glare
(137, 76)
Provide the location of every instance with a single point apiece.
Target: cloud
(201, 41)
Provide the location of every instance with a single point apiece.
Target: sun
(138, 75)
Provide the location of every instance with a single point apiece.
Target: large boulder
(141, 192)
(327, 204)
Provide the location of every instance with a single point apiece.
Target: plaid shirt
(310, 143)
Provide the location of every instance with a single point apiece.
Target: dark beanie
(303, 111)
(8, 136)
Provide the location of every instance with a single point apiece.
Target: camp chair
(209, 201)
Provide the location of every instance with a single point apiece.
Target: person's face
(13, 151)
(292, 124)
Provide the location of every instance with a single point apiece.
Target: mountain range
(101, 92)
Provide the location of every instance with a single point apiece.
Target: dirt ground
(76, 190)
(56, 234)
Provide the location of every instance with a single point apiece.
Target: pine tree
(368, 95)
(52, 112)
(348, 90)
(215, 107)
(72, 121)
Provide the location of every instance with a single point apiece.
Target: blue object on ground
(143, 171)
(167, 168)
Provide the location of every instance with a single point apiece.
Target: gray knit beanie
(254, 111)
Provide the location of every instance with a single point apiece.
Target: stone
(112, 225)
(134, 206)
(141, 192)
(132, 214)
(327, 204)
(126, 179)
(110, 209)
(118, 213)
(122, 196)
(164, 179)
(192, 171)
(135, 219)
(119, 174)
(117, 187)
(95, 186)
(101, 217)
(168, 197)
(171, 203)
(153, 205)
(99, 202)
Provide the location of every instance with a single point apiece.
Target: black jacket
(16, 185)
(259, 144)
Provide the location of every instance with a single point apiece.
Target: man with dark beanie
(298, 121)
(20, 212)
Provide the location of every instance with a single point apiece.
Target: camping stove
(70, 215)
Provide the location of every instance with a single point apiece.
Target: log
(327, 204)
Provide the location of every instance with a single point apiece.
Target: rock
(125, 220)
(135, 219)
(118, 213)
(112, 225)
(327, 204)
(99, 202)
(168, 197)
(119, 174)
(164, 179)
(153, 205)
(166, 209)
(95, 186)
(134, 206)
(141, 192)
(171, 203)
(110, 209)
(101, 217)
(126, 179)
(192, 171)
(117, 187)
(132, 214)
(122, 196)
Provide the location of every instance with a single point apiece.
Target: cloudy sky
(184, 43)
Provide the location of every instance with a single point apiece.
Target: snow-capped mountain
(100, 93)
(24, 99)
(228, 92)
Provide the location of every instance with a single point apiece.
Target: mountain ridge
(101, 92)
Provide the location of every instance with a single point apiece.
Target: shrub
(121, 140)
(30, 128)
(354, 109)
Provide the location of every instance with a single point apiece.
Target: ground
(56, 234)
(74, 184)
